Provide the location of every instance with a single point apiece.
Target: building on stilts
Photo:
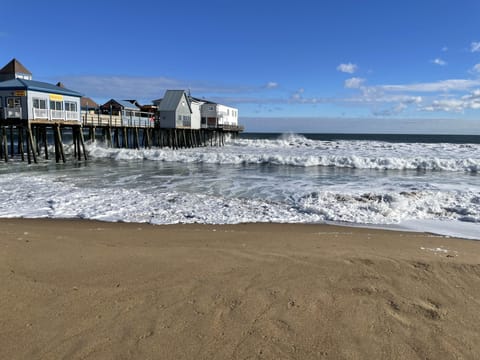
(32, 112)
(34, 115)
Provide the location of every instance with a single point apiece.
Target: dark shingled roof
(21, 84)
(88, 102)
(13, 67)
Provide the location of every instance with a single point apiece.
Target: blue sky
(330, 66)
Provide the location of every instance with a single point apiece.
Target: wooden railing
(11, 113)
(45, 114)
(91, 119)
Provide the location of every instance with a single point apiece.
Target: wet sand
(91, 290)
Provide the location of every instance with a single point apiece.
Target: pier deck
(30, 139)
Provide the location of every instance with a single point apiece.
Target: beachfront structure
(127, 112)
(23, 99)
(196, 106)
(179, 110)
(15, 70)
(175, 111)
(32, 113)
(214, 115)
(29, 109)
(88, 105)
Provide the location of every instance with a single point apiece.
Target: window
(56, 105)
(70, 106)
(210, 108)
(39, 103)
(13, 102)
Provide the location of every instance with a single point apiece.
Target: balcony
(11, 113)
(55, 115)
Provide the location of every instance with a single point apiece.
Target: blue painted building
(22, 98)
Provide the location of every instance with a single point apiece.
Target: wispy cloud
(354, 83)
(476, 68)
(445, 49)
(347, 68)
(271, 85)
(297, 95)
(439, 61)
(458, 105)
(145, 88)
(438, 86)
(475, 46)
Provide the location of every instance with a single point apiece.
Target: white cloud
(459, 105)
(475, 46)
(271, 85)
(439, 86)
(143, 88)
(354, 83)
(447, 105)
(347, 68)
(476, 68)
(298, 94)
(439, 61)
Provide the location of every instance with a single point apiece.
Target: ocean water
(417, 182)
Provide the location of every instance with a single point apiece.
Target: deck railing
(92, 119)
(11, 113)
(45, 114)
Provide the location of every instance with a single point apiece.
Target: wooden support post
(31, 145)
(60, 142)
(82, 142)
(75, 141)
(57, 148)
(1, 146)
(45, 142)
(109, 136)
(12, 147)
(116, 138)
(29, 159)
(36, 138)
(184, 138)
(137, 142)
(4, 144)
(125, 137)
(20, 143)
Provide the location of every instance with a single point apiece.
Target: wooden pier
(120, 133)
(30, 139)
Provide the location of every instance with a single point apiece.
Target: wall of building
(227, 115)
(183, 119)
(196, 114)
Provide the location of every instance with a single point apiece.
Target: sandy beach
(93, 290)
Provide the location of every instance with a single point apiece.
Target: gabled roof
(123, 103)
(134, 102)
(87, 102)
(204, 100)
(171, 100)
(13, 67)
(21, 84)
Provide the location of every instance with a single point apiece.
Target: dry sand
(92, 290)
